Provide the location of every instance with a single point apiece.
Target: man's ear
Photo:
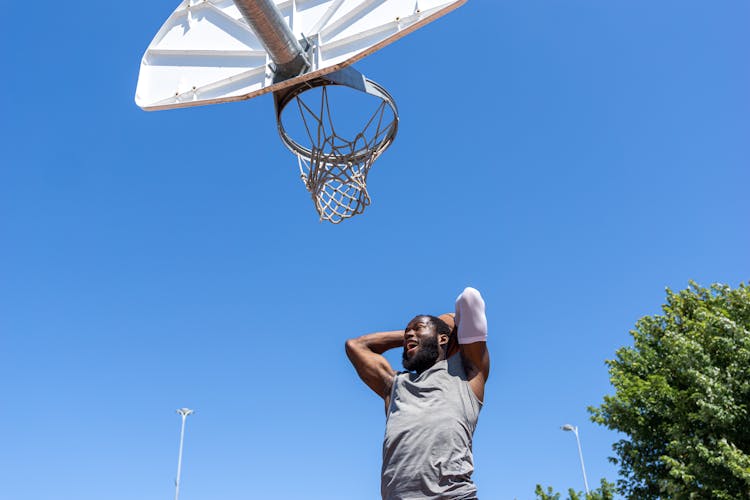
(443, 339)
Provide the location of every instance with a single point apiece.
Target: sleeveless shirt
(428, 435)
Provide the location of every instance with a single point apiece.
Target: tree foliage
(605, 491)
(682, 393)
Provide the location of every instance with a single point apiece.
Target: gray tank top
(428, 435)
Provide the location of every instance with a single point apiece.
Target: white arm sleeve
(470, 317)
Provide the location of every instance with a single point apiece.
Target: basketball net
(335, 173)
(334, 168)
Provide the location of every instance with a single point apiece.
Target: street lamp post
(574, 429)
(183, 412)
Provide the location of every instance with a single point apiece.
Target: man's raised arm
(365, 353)
(472, 338)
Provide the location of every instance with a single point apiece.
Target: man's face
(421, 349)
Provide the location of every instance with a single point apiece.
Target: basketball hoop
(334, 168)
(214, 51)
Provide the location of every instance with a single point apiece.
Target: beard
(427, 355)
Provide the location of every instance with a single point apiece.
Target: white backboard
(206, 53)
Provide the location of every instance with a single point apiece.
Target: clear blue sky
(569, 159)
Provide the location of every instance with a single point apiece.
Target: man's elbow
(470, 297)
(351, 345)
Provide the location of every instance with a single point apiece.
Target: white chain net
(335, 174)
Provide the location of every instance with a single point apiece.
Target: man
(433, 407)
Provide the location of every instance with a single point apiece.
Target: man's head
(425, 342)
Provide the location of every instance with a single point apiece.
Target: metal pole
(583, 468)
(267, 22)
(184, 412)
(568, 427)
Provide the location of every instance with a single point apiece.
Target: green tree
(682, 393)
(604, 492)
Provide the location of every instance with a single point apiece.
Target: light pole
(183, 412)
(574, 429)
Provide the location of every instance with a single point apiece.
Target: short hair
(441, 327)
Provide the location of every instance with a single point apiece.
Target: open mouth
(411, 346)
